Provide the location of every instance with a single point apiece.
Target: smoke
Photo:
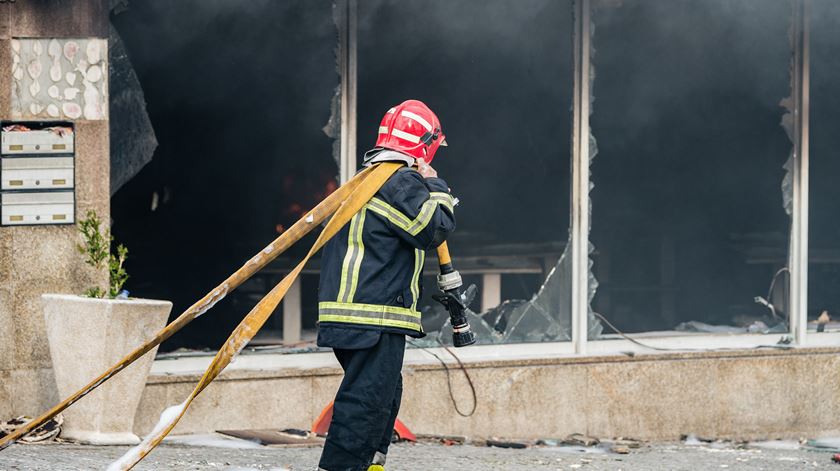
(691, 153)
(237, 93)
(498, 74)
(686, 115)
(824, 277)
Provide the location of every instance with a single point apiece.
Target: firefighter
(371, 280)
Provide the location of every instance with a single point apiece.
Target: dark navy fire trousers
(366, 404)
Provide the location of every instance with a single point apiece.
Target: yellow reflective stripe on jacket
(419, 260)
(357, 264)
(352, 259)
(445, 199)
(402, 221)
(369, 314)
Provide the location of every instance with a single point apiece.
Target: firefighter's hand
(425, 169)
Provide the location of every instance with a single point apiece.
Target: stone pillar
(44, 259)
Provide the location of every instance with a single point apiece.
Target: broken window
(237, 94)
(504, 99)
(688, 222)
(824, 230)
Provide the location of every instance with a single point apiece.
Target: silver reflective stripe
(401, 134)
(404, 135)
(418, 118)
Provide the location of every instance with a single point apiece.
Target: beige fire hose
(346, 201)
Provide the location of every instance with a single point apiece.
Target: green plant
(97, 249)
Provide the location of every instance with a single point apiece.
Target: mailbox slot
(29, 208)
(37, 142)
(36, 173)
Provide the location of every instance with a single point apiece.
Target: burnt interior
(824, 227)
(688, 220)
(238, 95)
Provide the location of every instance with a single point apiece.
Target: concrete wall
(35, 260)
(747, 394)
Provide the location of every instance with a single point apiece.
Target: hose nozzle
(449, 282)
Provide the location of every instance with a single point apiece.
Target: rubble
(285, 437)
(45, 433)
(506, 444)
(580, 440)
(133, 140)
(756, 327)
(446, 440)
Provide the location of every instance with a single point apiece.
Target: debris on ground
(628, 442)
(694, 440)
(211, 440)
(580, 443)
(285, 437)
(774, 445)
(446, 440)
(506, 444)
(47, 432)
(831, 444)
(580, 439)
(422, 457)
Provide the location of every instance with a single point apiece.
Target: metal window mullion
(799, 230)
(347, 47)
(580, 177)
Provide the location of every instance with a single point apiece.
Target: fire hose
(342, 204)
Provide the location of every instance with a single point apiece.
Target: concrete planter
(86, 337)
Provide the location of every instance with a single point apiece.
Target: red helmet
(413, 129)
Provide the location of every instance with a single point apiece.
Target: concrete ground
(427, 456)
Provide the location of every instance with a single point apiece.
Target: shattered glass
(686, 177)
(547, 316)
(133, 140)
(333, 127)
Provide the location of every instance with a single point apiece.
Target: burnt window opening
(238, 99)
(237, 94)
(504, 99)
(824, 227)
(688, 219)
(688, 216)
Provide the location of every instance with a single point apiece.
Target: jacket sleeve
(420, 210)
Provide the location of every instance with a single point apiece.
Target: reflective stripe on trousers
(369, 314)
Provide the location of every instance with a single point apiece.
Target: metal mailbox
(36, 173)
(27, 208)
(37, 142)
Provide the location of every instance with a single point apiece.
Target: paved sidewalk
(426, 457)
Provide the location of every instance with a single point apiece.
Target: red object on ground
(835, 457)
(322, 425)
(403, 432)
